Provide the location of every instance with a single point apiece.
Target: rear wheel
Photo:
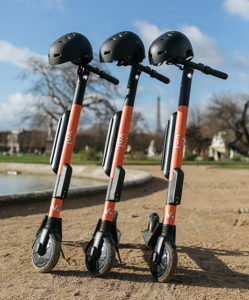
(102, 265)
(164, 271)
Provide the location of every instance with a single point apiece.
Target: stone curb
(135, 178)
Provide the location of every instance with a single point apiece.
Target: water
(12, 184)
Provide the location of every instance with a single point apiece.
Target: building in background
(23, 140)
(218, 148)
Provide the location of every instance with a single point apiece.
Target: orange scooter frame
(106, 236)
(67, 151)
(176, 161)
(118, 156)
(160, 237)
(47, 246)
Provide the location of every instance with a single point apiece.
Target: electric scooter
(127, 49)
(173, 48)
(75, 48)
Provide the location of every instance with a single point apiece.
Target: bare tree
(229, 114)
(138, 123)
(54, 88)
(195, 116)
(196, 138)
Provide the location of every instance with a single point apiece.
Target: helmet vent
(56, 55)
(107, 52)
(161, 52)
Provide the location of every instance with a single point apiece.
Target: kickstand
(119, 257)
(63, 256)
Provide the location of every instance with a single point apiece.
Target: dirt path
(213, 243)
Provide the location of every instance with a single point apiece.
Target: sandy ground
(212, 240)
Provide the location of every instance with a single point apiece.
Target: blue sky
(218, 31)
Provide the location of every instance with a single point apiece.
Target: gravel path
(212, 239)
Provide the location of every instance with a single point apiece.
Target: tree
(197, 136)
(54, 88)
(138, 124)
(196, 140)
(229, 114)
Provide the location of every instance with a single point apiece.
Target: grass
(29, 158)
(40, 159)
(76, 160)
(229, 164)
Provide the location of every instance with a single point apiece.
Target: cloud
(11, 111)
(148, 31)
(17, 56)
(237, 7)
(239, 65)
(205, 47)
(243, 77)
(241, 61)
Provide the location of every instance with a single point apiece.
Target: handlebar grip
(209, 71)
(103, 74)
(152, 73)
(160, 77)
(109, 77)
(216, 73)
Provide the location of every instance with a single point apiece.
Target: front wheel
(164, 271)
(102, 265)
(45, 263)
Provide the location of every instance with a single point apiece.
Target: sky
(218, 31)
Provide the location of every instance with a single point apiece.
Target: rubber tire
(55, 255)
(91, 264)
(171, 267)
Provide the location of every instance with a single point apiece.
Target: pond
(12, 184)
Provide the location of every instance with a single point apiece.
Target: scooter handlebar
(152, 73)
(209, 71)
(160, 77)
(103, 74)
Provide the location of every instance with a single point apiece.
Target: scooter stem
(176, 175)
(115, 185)
(65, 170)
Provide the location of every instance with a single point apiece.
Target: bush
(207, 158)
(189, 156)
(140, 155)
(237, 158)
(89, 154)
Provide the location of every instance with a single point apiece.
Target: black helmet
(170, 47)
(125, 47)
(73, 47)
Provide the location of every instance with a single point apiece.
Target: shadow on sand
(212, 270)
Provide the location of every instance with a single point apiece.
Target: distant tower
(158, 119)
